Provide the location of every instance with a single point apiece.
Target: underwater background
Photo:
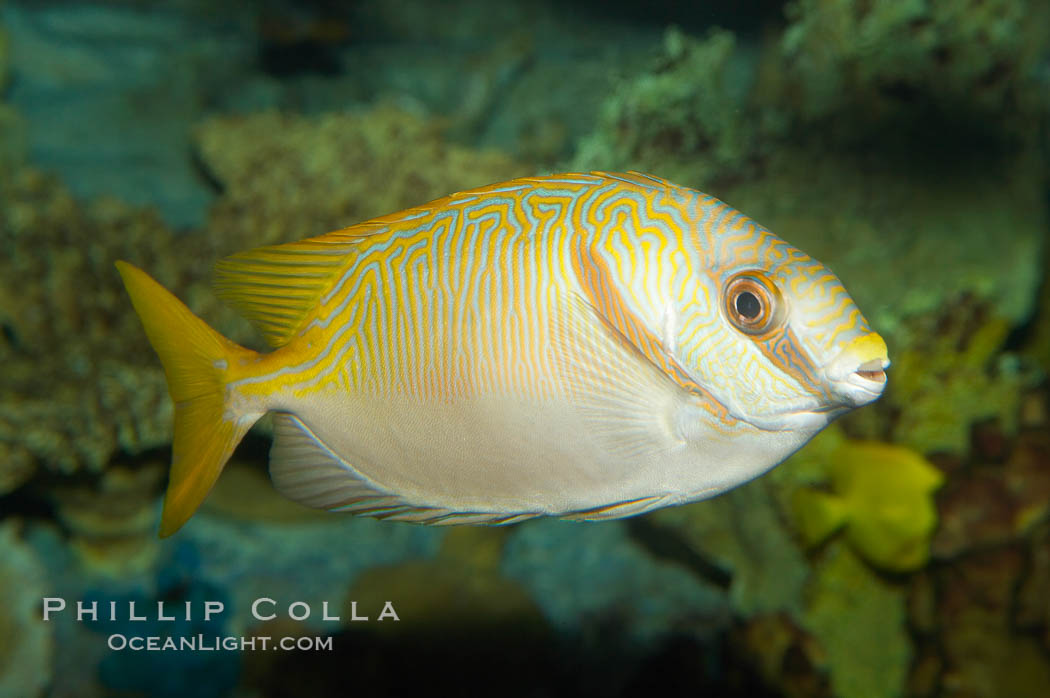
(904, 143)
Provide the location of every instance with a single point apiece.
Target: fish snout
(858, 373)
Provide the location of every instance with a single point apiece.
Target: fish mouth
(858, 373)
(853, 381)
(867, 380)
(873, 371)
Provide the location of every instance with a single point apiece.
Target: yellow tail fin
(195, 359)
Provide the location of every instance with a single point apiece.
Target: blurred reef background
(904, 143)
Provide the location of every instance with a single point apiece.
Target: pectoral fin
(628, 402)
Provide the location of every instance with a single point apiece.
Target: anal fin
(620, 510)
(304, 469)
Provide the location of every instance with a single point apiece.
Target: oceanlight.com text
(214, 643)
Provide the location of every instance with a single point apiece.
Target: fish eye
(752, 303)
(747, 305)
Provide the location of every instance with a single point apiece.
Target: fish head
(785, 346)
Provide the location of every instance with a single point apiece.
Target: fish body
(881, 495)
(581, 345)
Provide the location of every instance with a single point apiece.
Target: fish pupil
(748, 305)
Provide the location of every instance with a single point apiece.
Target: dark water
(905, 551)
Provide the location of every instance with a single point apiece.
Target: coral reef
(953, 375)
(812, 609)
(314, 560)
(12, 138)
(857, 214)
(895, 140)
(682, 119)
(25, 642)
(112, 523)
(970, 635)
(12, 125)
(531, 87)
(1038, 345)
(79, 382)
(980, 612)
(457, 604)
(717, 119)
(245, 493)
(880, 493)
(5, 59)
(986, 583)
(881, 56)
(1031, 609)
(456, 19)
(287, 177)
(987, 503)
(135, 77)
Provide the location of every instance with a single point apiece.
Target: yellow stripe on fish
(580, 345)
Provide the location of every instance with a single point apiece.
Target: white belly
(496, 454)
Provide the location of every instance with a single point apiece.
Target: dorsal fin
(275, 287)
(639, 179)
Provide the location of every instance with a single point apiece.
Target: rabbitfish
(581, 345)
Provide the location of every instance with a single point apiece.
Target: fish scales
(582, 345)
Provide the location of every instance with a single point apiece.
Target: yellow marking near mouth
(868, 347)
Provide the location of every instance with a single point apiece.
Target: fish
(585, 345)
(880, 495)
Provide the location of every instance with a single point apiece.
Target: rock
(986, 505)
(743, 533)
(594, 584)
(25, 642)
(859, 621)
(113, 524)
(788, 658)
(983, 655)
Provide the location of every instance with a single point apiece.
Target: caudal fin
(195, 359)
